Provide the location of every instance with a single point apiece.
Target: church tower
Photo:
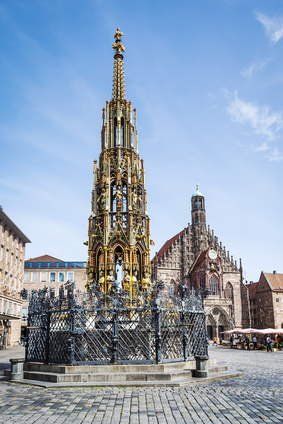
(199, 230)
(119, 228)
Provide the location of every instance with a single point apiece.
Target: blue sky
(206, 79)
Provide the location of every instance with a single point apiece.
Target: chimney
(275, 272)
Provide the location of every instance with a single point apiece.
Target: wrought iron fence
(95, 328)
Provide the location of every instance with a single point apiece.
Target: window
(52, 277)
(34, 277)
(229, 291)
(25, 294)
(277, 299)
(61, 277)
(70, 276)
(43, 277)
(26, 277)
(213, 285)
(24, 314)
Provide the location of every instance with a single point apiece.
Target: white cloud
(254, 67)
(263, 147)
(275, 156)
(260, 119)
(273, 27)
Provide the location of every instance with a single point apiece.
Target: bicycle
(20, 342)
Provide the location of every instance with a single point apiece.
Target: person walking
(248, 342)
(268, 341)
(231, 341)
(254, 342)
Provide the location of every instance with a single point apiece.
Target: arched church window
(200, 203)
(113, 197)
(229, 291)
(202, 282)
(125, 197)
(139, 260)
(214, 285)
(115, 132)
(122, 132)
(171, 288)
(98, 265)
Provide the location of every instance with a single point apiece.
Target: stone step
(7, 373)
(217, 369)
(123, 368)
(179, 383)
(107, 377)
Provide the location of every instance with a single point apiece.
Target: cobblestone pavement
(256, 397)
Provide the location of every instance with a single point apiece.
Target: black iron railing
(95, 328)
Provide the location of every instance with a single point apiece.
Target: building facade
(12, 257)
(47, 271)
(266, 301)
(119, 230)
(195, 258)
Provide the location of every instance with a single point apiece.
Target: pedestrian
(248, 342)
(255, 342)
(268, 341)
(214, 341)
(231, 341)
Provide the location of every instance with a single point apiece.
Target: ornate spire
(118, 75)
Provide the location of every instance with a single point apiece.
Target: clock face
(212, 254)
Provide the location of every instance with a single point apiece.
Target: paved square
(256, 397)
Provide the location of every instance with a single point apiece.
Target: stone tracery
(119, 206)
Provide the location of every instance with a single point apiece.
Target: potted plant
(263, 347)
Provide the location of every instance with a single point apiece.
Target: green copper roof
(197, 193)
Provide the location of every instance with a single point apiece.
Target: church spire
(119, 230)
(118, 75)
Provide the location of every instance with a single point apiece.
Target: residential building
(47, 271)
(266, 301)
(12, 257)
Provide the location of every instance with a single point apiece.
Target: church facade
(195, 258)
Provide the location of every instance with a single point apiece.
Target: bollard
(17, 369)
(201, 366)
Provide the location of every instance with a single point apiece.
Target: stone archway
(210, 325)
(217, 321)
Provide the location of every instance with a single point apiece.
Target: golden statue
(101, 201)
(145, 283)
(126, 282)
